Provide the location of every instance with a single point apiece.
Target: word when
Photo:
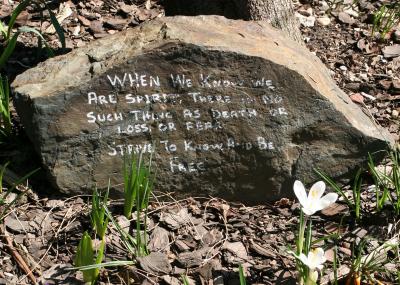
(134, 80)
(138, 80)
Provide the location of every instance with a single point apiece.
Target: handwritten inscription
(211, 111)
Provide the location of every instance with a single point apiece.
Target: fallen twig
(17, 256)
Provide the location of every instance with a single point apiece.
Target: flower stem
(300, 241)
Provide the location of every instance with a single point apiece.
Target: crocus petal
(309, 211)
(327, 200)
(300, 192)
(320, 255)
(315, 258)
(304, 259)
(316, 191)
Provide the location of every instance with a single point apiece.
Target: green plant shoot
(5, 116)
(11, 39)
(85, 256)
(386, 18)
(137, 184)
(242, 277)
(13, 186)
(354, 204)
(98, 215)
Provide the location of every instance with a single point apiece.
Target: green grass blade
(21, 6)
(127, 239)
(25, 29)
(3, 30)
(185, 280)
(102, 265)
(98, 216)
(335, 266)
(130, 184)
(2, 170)
(357, 194)
(12, 188)
(8, 50)
(242, 277)
(5, 105)
(99, 259)
(335, 187)
(57, 26)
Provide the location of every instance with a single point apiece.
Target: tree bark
(279, 13)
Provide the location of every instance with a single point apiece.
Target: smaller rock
(360, 232)
(357, 98)
(116, 23)
(176, 220)
(351, 12)
(306, 12)
(323, 6)
(191, 259)
(342, 272)
(306, 21)
(396, 36)
(346, 251)
(159, 240)
(127, 9)
(218, 280)
(11, 197)
(170, 280)
(391, 51)
(395, 87)
(353, 86)
(52, 203)
(395, 114)
(343, 68)
(365, 5)
(346, 18)
(336, 208)
(155, 262)
(97, 27)
(236, 248)
(84, 21)
(330, 255)
(16, 225)
(181, 245)
(123, 222)
(324, 21)
(267, 252)
(385, 84)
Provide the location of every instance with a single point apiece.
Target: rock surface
(236, 111)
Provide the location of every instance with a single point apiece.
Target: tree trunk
(279, 13)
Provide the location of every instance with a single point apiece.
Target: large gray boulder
(231, 108)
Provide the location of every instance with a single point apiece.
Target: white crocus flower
(314, 259)
(314, 201)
